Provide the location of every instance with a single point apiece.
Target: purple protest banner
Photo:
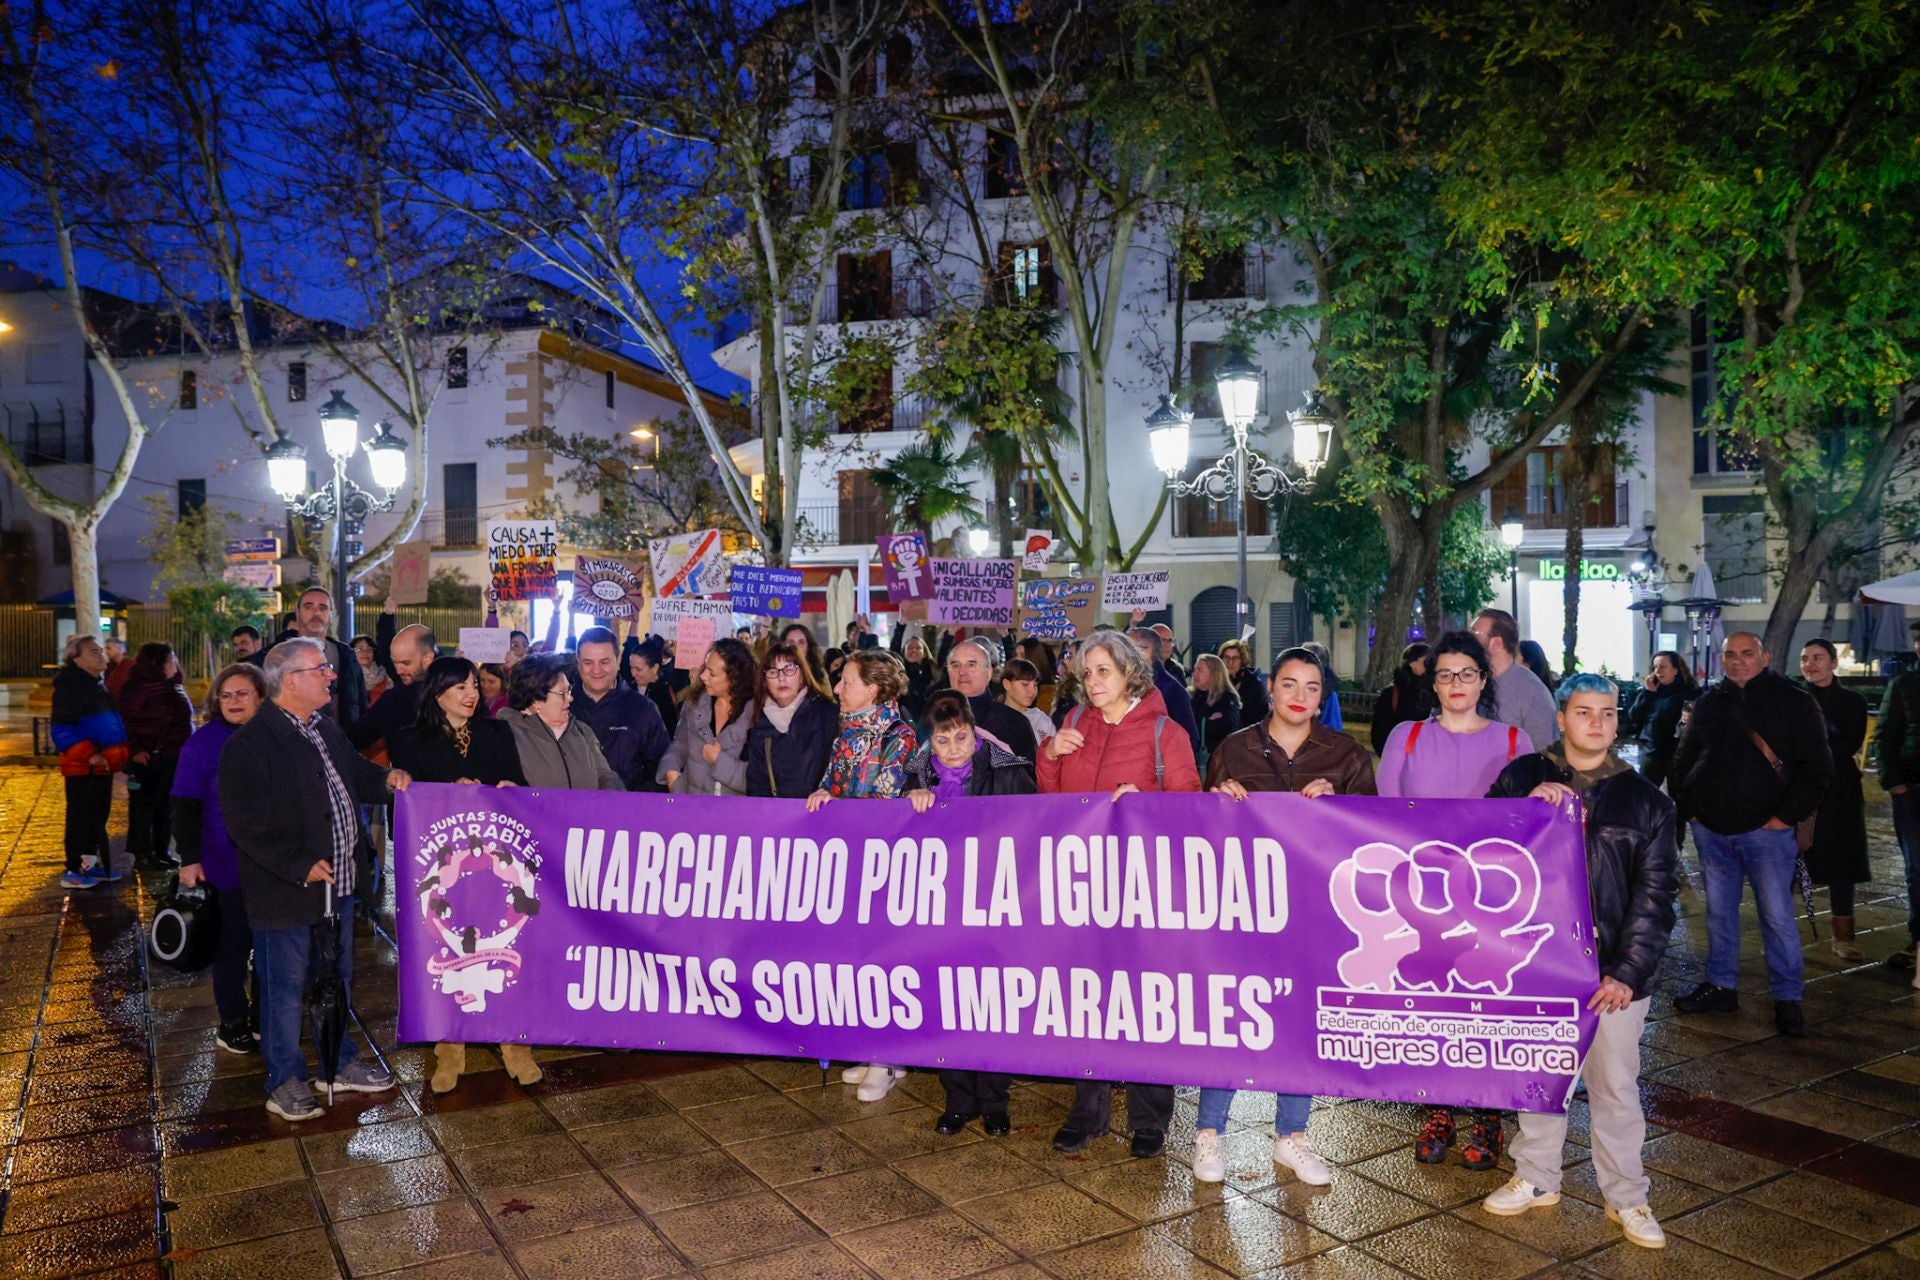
(904, 557)
(1421, 951)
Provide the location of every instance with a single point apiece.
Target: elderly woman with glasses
(792, 736)
(556, 750)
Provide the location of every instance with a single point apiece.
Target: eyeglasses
(235, 695)
(1470, 676)
(783, 671)
(561, 691)
(318, 666)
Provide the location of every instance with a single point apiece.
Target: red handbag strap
(1413, 734)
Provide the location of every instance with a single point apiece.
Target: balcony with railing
(906, 297)
(1224, 277)
(1544, 506)
(904, 413)
(842, 523)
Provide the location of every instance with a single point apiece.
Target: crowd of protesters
(1760, 770)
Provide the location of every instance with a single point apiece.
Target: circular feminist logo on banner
(478, 891)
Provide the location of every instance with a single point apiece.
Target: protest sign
(691, 645)
(904, 556)
(688, 564)
(520, 558)
(252, 573)
(412, 572)
(1126, 592)
(973, 593)
(667, 614)
(485, 644)
(1039, 552)
(765, 592)
(1427, 951)
(608, 586)
(1058, 608)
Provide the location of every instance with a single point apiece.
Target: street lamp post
(1647, 579)
(1513, 531)
(341, 501)
(1244, 472)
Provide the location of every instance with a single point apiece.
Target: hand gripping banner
(1429, 951)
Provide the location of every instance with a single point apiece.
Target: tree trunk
(1413, 556)
(84, 544)
(772, 431)
(1796, 588)
(1579, 480)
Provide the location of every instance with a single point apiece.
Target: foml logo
(1439, 918)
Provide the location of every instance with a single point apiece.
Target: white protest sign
(688, 564)
(1039, 552)
(485, 644)
(1126, 592)
(669, 612)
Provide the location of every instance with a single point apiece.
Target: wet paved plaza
(129, 1146)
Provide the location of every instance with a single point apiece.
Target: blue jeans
(1766, 859)
(1906, 827)
(280, 960)
(1289, 1111)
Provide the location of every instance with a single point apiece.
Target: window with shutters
(296, 381)
(877, 414)
(1736, 544)
(1196, 517)
(865, 284)
(1025, 273)
(1716, 451)
(611, 380)
(863, 510)
(460, 499)
(192, 496)
(1029, 505)
(899, 59)
(880, 176)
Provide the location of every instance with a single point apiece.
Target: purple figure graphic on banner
(908, 574)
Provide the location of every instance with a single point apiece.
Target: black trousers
(230, 986)
(977, 1092)
(150, 807)
(1149, 1106)
(88, 800)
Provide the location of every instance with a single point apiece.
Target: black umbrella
(326, 994)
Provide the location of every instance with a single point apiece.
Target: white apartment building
(559, 370)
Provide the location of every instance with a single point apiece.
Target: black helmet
(186, 930)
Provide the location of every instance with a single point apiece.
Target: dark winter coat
(157, 712)
(1173, 692)
(1897, 746)
(1632, 865)
(1721, 780)
(85, 723)
(995, 772)
(273, 796)
(1839, 850)
(1252, 690)
(1216, 719)
(1655, 722)
(632, 736)
(790, 765)
(492, 756)
(1403, 700)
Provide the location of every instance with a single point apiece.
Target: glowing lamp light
(1312, 434)
(340, 426)
(387, 456)
(1512, 531)
(287, 469)
(1168, 430)
(1238, 382)
(979, 540)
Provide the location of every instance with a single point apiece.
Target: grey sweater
(573, 761)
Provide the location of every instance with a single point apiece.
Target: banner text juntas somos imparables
(1426, 951)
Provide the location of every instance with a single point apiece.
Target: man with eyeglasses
(632, 735)
(291, 788)
(312, 616)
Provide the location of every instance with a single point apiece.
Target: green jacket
(1897, 745)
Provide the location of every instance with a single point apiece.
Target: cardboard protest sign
(668, 614)
(608, 587)
(485, 644)
(1126, 592)
(688, 564)
(768, 593)
(904, 556)
(1039, 552)
(520, 558)
(412, 571)
(973, 593)
(1058, 608)
(690, 647)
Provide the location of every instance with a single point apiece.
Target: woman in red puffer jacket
(159, 718)
(1119, 740)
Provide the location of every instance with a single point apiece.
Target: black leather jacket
(1632, 868)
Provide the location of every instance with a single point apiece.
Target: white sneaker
(1517, 1197)
(878, 1082)
(1209, 1157)
(1294, 1151)
(854, 1074)
(1640, 1225)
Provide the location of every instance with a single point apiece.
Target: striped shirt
(346, 815)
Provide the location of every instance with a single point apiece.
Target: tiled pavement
(128, 1146)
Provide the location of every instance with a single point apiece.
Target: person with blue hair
(1632, 871)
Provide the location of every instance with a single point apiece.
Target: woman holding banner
(708, 752)
(1289, 752)
(957, 763)
(869, 762)
(793, 731)
(1121, 740)
(1456, 754)
(452, 740)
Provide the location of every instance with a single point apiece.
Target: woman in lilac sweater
(1456, 754)
(206, 850)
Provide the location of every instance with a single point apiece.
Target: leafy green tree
(189, 558)
(926, 483)
(1756, 163)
